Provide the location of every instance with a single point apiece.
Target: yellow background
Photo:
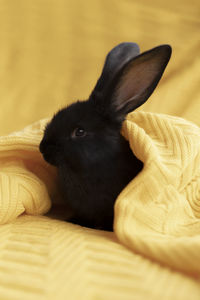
(52, 51)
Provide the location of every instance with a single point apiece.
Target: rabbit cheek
(72, 159)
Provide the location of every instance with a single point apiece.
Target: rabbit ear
(116, 59)
(128, 79)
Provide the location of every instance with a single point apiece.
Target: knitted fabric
(154, 252)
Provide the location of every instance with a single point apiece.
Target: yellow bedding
(51, 54)
(157, 217)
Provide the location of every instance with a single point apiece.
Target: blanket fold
(156, 215)
(26, 181)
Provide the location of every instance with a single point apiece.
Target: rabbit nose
(49, 152)
(42, 146)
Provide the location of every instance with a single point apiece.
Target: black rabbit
(83, 141)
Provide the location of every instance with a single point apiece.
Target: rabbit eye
(79, 132)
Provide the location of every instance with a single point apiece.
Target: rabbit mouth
(48, 158)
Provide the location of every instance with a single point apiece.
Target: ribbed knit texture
(155, 252)
(51, 54)
(158, 214)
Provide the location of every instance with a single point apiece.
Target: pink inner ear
(136, 80)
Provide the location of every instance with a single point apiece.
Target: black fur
(94, 168)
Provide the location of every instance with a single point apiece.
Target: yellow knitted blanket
(51, 53)
(155, 250)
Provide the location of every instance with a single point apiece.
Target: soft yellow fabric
(157, 216)
(22, 190)
(51, 54)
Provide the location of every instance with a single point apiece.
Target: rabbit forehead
(77, 114)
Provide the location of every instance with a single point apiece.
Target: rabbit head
(87, 132)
